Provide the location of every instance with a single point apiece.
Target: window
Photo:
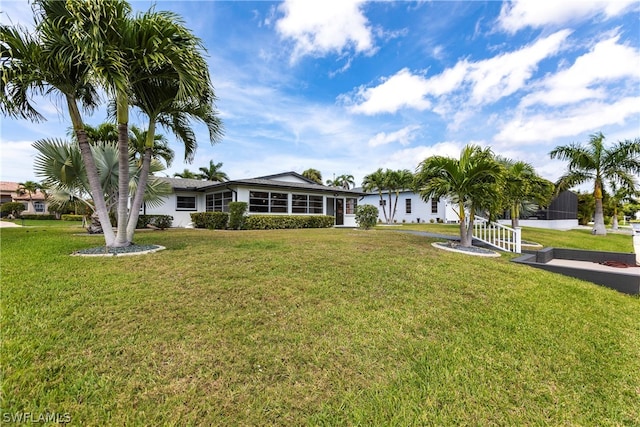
(186, 203)
(39, 207)
(351, 207)
(407, 206)
(303, 203)
(218, 202)
(383, 202)
(263, 201)
(434, 206)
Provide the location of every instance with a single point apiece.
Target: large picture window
(39, 207)
(306, 204)
(186, 203)
(264, 201)
(219, 202)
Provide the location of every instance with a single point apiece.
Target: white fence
(497, 235)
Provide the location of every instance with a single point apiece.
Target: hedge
(210, 220)
(70, 217)
(38, 216)
(159, 221)
(272, 222)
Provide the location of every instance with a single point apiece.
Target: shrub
(38, 216)
(160, 221)
(236, 215)
(273, 222)
(210, 220)
(14, 208)
(70, 217)
(366, 216)
(432, 220)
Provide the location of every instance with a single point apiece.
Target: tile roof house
(35, 203)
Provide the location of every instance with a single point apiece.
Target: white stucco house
(411, 208)
(287, 193)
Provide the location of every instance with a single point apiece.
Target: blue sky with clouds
(347, 87)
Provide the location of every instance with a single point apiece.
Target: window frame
(195, 203)
(407, 206)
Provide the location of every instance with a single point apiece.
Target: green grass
(309, 327)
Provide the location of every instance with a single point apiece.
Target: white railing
(497, 235)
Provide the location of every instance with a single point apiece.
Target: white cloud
(404, 136)
(608, 61)
(321, 27)
(519, 14)
(401, 90)
(586, 117)
(478, 83)
(16, 161)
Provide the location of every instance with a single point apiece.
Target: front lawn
(318, 327)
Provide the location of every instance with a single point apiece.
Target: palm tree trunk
(138, 199)
(395, 204)
(614, 220)
(384, 210)
(391, 215)
(598, 217)
(464, 238)
(123, 171)
(92, 172)
(515, 216)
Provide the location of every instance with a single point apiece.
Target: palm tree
(186, 174)
(618, 164)
(313, 174)
(213, 172)
(376, 181)
(522, 186)
(60, 165)
(29, 188)
(137, 146)
(50, 62)
(396, 182)
(470, 181)
(345, 181)
(616, 199)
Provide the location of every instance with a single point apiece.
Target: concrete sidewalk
(7, 224)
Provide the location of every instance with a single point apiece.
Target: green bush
(273, 222)
(38, 216)
(366, 216)
(70, 217)
(14, 208)
(237, 217)
(160, 221)
(210, 220)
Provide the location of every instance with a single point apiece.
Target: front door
(339, 211)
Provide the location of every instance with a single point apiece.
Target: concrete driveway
(7, 224)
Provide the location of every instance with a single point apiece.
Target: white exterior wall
(420, 210)
(181, 218)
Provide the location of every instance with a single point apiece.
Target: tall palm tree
(593, 161)
(50, 62)
(376, 181)
(186, 174)
(470, 181)
(522, 185)
(618, 196)
(398, 181)
(213, 172)
(313, 174)
(171, 92)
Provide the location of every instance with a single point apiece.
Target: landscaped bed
(294, 327)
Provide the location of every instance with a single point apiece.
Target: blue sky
(347, 87)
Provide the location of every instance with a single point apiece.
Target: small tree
(12, 208)
(366, 216)
(236, 215)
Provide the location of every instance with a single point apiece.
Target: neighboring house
(287, 193)
(9, 193)
(562, 214)
(411, 208)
